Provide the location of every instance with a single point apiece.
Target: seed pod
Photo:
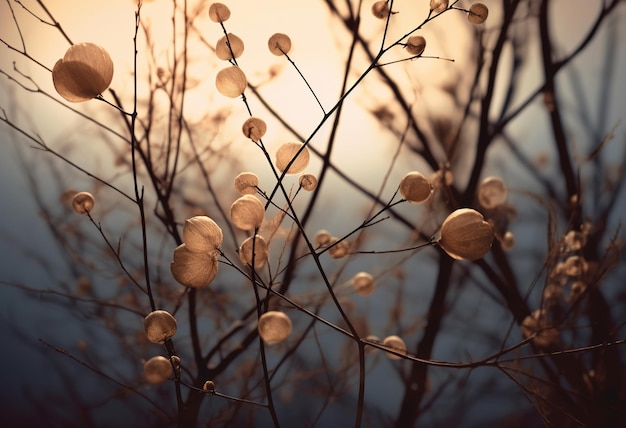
(380, 9)
(287, 152)
(415, 188)
(219, 12)
(477, 13)
(231, 82)
(223, 51)
(159, 326)
(322, 238)
(574, 240)
(247, 213)
(438, 6)
(308, 182)
(575, 266)
(415, 45)
(508, 240)
(254, 128)
(492, 192)
(85, 71)
(465, 235)
(261, 251)
(397, 344)
(339, 250)
(83, 202)
(157, 369)
(279, 44)
(202, 234)
(193, 269)
(363, 283)
(209, 386)
(246, 183)
(537, 323)
(274, 327)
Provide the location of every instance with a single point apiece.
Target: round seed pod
(85, 71)
(465, 235)
(254, 128)
(193, 269)
(536, 323)
(492, 192)
(159, 326)
(202, 234)
(508, 240)
(83, 202)
(363, 283)
(279, 44)
(287, 152)
(219, 12)
(574, 240)
(415, 45)
(380, 9)
(274, 327)
(438, 6)
(247, 213)
(231, 82)
(477, 13)
(261, 251)
(322, 238)
(157, 369)
(223, 51)
(415, 188)
(397, 344)
(209, 386)
(308, 182)
(246, 183)
(339, 250)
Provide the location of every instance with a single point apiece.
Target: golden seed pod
(159, 326)
(274, 327)
(536, 323)
(209, 386)
(477, 13)
(415, 45)
(246, 183)
(575, 266)
(438, 6)
(261, 251)
(465, 235)
(231, 82)
(363, 283)
(415, 188)
(492, 192)
(85, 72)
(219, 12)
(339, 250)
(254, 128)
(157, 369)
(380, 9)
(322, 238)
(247, 213)
(223, 51)
(193, 269)
(202, 234)
(574, 240)
(279, 44)
(287, 152)
(308, 182)
(83, 202)
(397, 344)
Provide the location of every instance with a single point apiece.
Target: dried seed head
(83, 202)
(279, 44)
(465, 235)
(159, 326)
(247, 213)
(380, 9)
(492, 192)
(397, 344)
(254, 128)
(308, 182)
(246, 183)
(274, 327)
(223, 51)
(231, 82)
(322, 238)
(202, 234)
(157, 369)
(415, 45)
(219, 12)
(193, 269)
(477, 13)
(575, 266)
(574, 240)
(415, 188)
(438, 6)
(363, 283)
(261, 251)
(287, 152)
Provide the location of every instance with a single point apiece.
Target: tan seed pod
(438, 6)
(575, 266)
(274, 327)
(492, 192)
(223, 51)
(247, 213)
(363, 283)
(465, 235)
(308, 182)
(380, 9)
(246, 183)
(219, 12)
(287, 152)
(415, 45)
(477, 13)
(254, 128)
(279, 44)
(157, 370)
(574, 240)
(231, 82)
(261, 251)
(202, 234)
(536, 323)
(209, 386)
(397, 344)
(192, 269)
(338, 250)
(159, 326)
(415, 188)
(322, 238)
(508, 240)
(83, 202)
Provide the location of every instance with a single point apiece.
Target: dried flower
(83, 202)
(193, 269)
(536, 323)
(223, 51)
(159, 326)
(465, 235)
(274, 327)
(279, 44)
(287, 152)
(247, 213)
(231, 82)
(157, 369)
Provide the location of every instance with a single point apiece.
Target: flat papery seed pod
(83, 202)
(254, 128)
(247, 213)
(279, 44)
(465, 235)
(397, 344)
(157, 370)
(492, 192)
(159, 326)
(85, 71)
(322, 238)
(202, 234)
(274, 327)
(261, 251)
(231, 82)
(438, 6)
(340, 249)
(477, 13)
(363, 283)
(209, 386)
(415, 188)
(308, 182)
(223, 51)
(380, 9)
(193, 269)
(246, 183)
(287, 152)
(415, 45)
(219, 12)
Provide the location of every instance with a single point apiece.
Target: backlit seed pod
(159, 326)
(536, 323)
(261, 251)
(438, 6)
(492, 192)
(415, 45)
(209, 386)
(338, 250)
(322, 238)
(380, 9)
(575, 266)
(219, 12)
(193, 269)
(279, 44)
(254, 128)
(308, 182)
(247, 213)
(363, 283)
(223, 51)
(574, 240)
(415, 188)
(477, 13)
(465, 235)
(508, 240)
(157, 370)
(287, 152)
(202, 234)
(83, 202)
(274, 327)
(246, 183)
(231, 82)
(397, 344)
(85, 71)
